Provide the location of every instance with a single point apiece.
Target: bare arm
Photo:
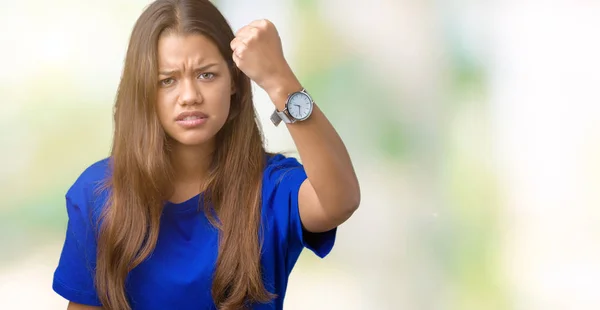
(331, 193)
(75, 306)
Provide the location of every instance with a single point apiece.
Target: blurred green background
(474, 127)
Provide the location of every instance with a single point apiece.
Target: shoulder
(282, 178)
(90, 179)
(74, 275)
(93, 173)
(278, 159)
(281, 168)
(87, 194)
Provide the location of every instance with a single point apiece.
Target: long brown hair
(141, 178)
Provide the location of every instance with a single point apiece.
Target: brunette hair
(141, 174)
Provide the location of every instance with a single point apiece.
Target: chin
(195, 141)
(193, 138)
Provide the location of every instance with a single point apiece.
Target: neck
(191, 163)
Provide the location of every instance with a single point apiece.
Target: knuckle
(240, 31)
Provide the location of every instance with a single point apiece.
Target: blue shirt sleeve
(284, 175)
(74, 276)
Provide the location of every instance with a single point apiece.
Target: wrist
(281, 88)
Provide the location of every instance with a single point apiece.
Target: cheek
(226, 105)
(221, 99)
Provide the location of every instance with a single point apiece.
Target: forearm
(323, 154)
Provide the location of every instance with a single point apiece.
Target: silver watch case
(285, 116)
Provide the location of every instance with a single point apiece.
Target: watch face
(300, 106)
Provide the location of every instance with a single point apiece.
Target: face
(194, 88)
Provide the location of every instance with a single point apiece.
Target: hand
(258, 53)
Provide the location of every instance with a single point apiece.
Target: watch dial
(299, 106)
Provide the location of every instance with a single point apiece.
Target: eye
(206, 76)
(166, 82)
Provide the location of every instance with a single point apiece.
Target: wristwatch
(298, 107)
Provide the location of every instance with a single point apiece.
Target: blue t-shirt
(178, 274)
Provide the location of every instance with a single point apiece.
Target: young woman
(189, 211)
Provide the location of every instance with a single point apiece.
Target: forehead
(176, 49)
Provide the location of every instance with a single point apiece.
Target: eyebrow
(171, 72)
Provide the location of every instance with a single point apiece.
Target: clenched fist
(258, 53)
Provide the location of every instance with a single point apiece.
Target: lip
(183, 115)
(200, 118)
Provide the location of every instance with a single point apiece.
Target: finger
(260, 23)
(244, 29)
(236, 59)
(248, 34)
(236, 43)
(238, 47)
(239, 51)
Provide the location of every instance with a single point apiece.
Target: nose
(190, 92)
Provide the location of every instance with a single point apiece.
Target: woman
(189, 211)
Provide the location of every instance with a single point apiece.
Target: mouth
(191, 119)
(191, 116)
